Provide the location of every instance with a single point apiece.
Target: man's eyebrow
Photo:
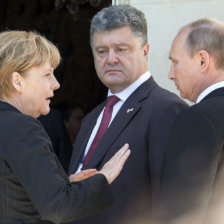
(100, 46)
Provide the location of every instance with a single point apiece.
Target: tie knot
(111, 101)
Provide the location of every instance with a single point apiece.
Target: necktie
(111, 101)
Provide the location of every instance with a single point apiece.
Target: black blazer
(146, 129)
(33, 184)
(194, 161)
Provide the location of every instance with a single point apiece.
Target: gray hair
(206, 34)
(119, 16)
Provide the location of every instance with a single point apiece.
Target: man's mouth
(112, 70)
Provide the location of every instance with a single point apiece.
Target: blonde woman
(33, 185)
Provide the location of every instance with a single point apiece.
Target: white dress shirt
(123, 95)
(208, 90)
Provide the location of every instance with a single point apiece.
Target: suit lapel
(129, 109)
(119, 123)
(80, 146)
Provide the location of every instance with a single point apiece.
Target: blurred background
(66, 23)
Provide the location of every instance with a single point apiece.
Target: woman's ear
(17, 81)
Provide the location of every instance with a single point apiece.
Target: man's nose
(112, 57)
(171, 73)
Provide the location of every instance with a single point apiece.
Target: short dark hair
(119, 16)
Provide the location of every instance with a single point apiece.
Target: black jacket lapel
(83, 137)
(124, 116)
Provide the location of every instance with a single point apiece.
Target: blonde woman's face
(39, 84)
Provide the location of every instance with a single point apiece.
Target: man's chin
(184, 96)
(112, 83)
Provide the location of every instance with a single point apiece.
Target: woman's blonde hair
(21, 50)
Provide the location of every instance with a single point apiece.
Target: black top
(33, 184)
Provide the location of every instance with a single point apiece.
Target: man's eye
(101, 51)
(122, 49)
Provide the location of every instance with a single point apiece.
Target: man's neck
(125, 93)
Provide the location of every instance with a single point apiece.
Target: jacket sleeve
(190, 168)
(160, 126)
(30, 156)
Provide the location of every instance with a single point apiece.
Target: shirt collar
(208, 90)
(124, 94)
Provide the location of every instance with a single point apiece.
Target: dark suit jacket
(194, 163)
(33, 185)
(146, 129)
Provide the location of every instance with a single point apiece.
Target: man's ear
(146, 49)
(204, 60)
(17, 81)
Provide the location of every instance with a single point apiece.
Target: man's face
(119, 57)
(184, 69)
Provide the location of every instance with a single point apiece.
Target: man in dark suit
(193, 172)
(142, 116)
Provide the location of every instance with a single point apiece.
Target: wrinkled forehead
(115, 36)
(119, 30)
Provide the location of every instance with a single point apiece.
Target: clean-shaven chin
(46, 108)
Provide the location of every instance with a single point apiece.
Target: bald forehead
(182, 35)
(180, 38)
